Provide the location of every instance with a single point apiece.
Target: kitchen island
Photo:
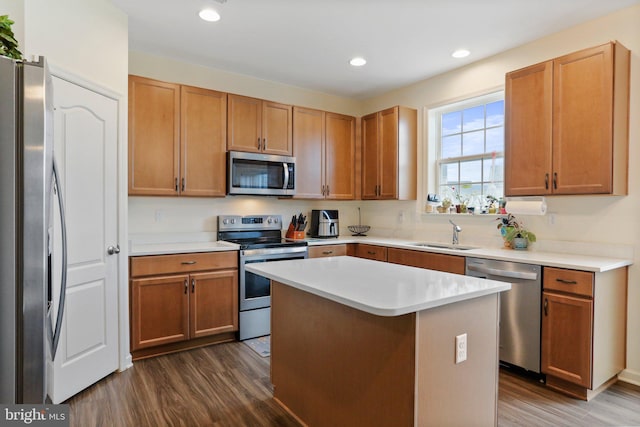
(360, 342)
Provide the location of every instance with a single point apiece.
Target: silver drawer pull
(567, 282)
(188, 262)
(371, 252)
(327, 252)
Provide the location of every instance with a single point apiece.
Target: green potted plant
(8, 43)
(514, 233)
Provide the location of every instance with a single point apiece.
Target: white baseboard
(631, 377)
(128, 363)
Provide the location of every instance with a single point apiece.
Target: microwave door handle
(286, 175)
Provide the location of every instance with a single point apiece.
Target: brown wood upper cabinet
(177, 139)
(566, 124)
(324, 147)
(259, 126)
(389, 139)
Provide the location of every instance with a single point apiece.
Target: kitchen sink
(444, 246)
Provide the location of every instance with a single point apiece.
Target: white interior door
(85, 146)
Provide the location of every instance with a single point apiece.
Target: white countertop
(376, 287)
(549, 259)
(595, 264)
(138, 249)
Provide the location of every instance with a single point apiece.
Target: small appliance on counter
(324, 223)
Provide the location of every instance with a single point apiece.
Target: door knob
(111, 250)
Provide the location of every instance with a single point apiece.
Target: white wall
(88, 38)
(170, 70)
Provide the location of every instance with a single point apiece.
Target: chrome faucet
(456, 230)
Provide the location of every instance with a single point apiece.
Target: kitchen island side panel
(335, 365)
(464, 394)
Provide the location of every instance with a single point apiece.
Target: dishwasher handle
(526, 275)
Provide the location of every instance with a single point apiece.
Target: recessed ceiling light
(209, 15)
(358, 61)
(460, 53)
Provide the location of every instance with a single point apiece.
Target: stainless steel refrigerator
(30, 317)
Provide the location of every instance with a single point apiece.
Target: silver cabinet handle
(193, 285)
(186, 286)
(327, 252)
(264, 143)
(188, 262)
(259, 147)
(113, 250)
(566, 282)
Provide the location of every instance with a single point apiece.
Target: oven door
(255, 291)
(261, 174)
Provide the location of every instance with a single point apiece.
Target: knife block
(295, 235)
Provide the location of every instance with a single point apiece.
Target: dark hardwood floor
(228, 385)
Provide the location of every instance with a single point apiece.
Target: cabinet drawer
(439, 262)
(378, 253)
(327, 251)
(182, 263)
(570, 281)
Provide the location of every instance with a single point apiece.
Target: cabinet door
(370, 155)
(378, 253)
(325, 251)
(244, 123)
(159, 310)
(203, 142)
(388, 154)
(528, 132)
(308, 148)
(154, 137)
(582, 122)
(213, 303)
(277, 128)
(428, 260)
(567, 325)
(340, 156)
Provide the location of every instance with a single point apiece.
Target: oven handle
(244, 254)
(286, 175)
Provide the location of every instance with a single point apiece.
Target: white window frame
(434, 136)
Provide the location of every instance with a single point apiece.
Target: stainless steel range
(260, 240)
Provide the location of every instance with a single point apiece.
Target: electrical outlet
(159, 215)
(551, 219)
(461, 348)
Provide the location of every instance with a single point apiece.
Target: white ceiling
(308, 43)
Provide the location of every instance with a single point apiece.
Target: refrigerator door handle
(54, 335)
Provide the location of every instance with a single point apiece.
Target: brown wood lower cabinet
(363, 250)
(327, 251)
(428, 260)
(170, 312)
(583, 329)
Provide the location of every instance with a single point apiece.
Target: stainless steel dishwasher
(519, 309)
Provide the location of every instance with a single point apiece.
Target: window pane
(451, 123)
(471, 171)
(495, 139)
(495, 189)
(477, 132)
(473, 118)
(495, 113)
(449, 174)
(494, 169)
(451, 146)
(473, 143)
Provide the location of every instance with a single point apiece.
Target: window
(470, 149)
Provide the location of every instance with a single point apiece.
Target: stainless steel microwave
(261, 174)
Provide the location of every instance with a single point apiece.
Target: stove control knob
(225, 221)
(269, 221)
(275, 220)
(233, 221)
